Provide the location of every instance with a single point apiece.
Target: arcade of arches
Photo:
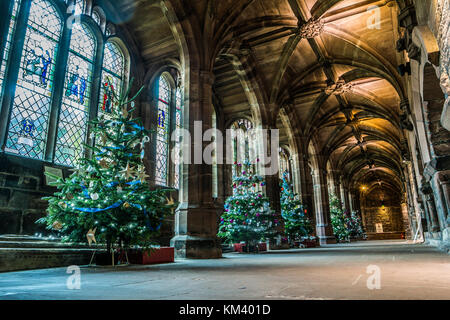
(358, 89)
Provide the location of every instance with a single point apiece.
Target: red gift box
(239, 247)
(154, 256)
(262, 246)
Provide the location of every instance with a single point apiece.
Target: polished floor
(362, 270)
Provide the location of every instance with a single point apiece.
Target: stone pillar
(427, 191)
(351, 201)
(324, 228)
(296, 174)
(445, 185)
(345, 196)
(196, 217)
(306, 183)
(272, 188)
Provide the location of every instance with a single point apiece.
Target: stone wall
(382, 206)
(390, 217)
(22, 185)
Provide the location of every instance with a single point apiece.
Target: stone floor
(408, 271)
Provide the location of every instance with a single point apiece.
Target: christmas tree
(338, 220)
(296, 223)
(107, 198)
(247, 217)
(354, 225)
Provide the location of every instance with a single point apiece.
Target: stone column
(296, 173)
(345, 196)
(445, 185)
(306, 182)
(351, 201)
(324, 228)
(427, 191)
(272, 188)
(196, 217)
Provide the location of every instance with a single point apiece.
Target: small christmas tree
(354, 225)
(338, 220)
(108, 199)
(296, 223)
(247, 217)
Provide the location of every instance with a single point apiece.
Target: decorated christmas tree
(354, 225)
(338, 220)
(296, 223)
(107, 199)
(247, 217)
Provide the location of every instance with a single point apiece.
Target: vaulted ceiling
(326, 70)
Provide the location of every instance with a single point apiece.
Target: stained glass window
(163, 128)
(76, 97)
(109, 30)
(241, 141)
(112, 76)
(177, 147)
(96, 17)
(30, 112)
(79, 7)
(6, 51)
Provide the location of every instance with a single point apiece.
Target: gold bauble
(57, 225)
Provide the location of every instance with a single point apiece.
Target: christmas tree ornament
(126, 205)
(128, 172)
(90, 235)
(125, 112)
(104, 138)
(171, 203)
(145, 140)
(57, 225)
(103, 163)
(95, 196)
(142, 175)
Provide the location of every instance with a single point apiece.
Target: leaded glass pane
(76, 99)
(7, 49)
(96, 17)
(112, 76)
(163, 127)
(79, 7)
(284, 163)
(29, 117)
(241, 142)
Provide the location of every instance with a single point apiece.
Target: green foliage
(338, 220)
(296, 223)
(247, 215)
(355, 226)
(346, 225)
(109, 192)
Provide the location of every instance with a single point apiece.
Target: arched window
(79, 7)
(242, 142)
(163, 129)
(27, 133)
(96, 17)
(47, 120)
(7, 48)
(112, 75)
(284, 164)
(76, 98)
